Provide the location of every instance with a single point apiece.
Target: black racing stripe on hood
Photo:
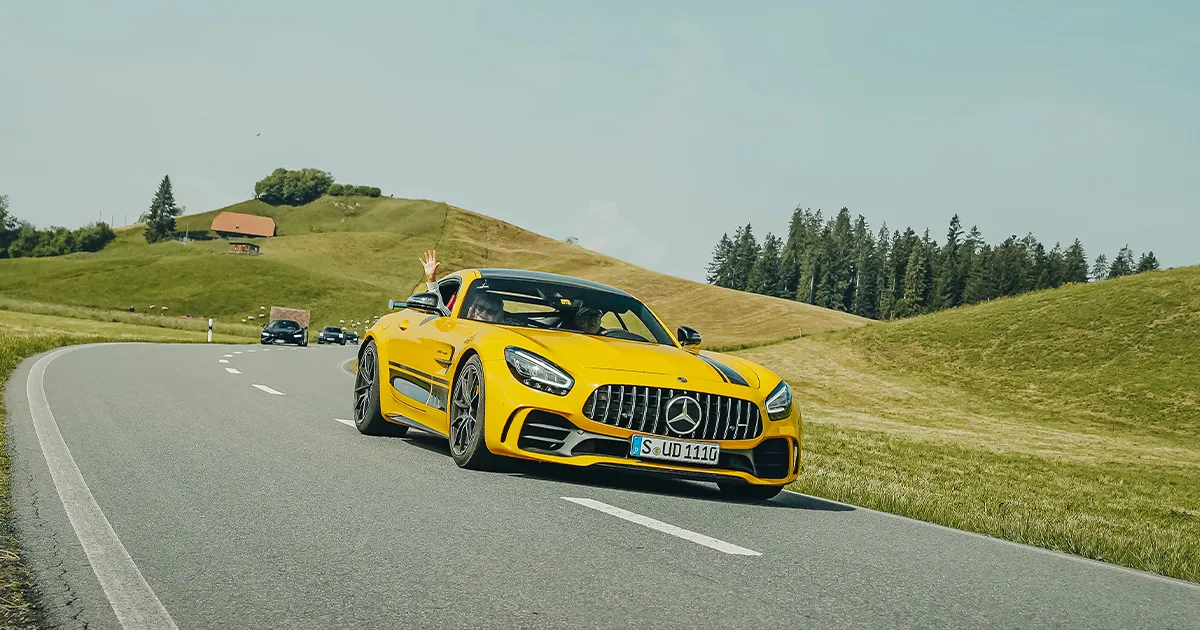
(726, 372)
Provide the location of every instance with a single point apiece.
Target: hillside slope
(344, 257)
(1067, 418)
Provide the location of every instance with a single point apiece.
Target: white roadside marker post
(209, 330)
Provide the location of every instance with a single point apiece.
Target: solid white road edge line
(665, 528)
(232, 370)
(268, 389)
(348, 423)
(132, 599)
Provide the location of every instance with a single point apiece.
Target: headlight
(779, 403)
(536, 372)
(299, 334)
(265, 333)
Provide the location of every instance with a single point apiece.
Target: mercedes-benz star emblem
(684, 415)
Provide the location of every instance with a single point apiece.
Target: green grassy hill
(1067, 418)
(344, 257)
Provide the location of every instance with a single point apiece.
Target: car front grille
(644, 409)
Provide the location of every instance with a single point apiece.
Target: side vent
(544, 431)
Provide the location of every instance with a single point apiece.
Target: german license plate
(666, 449)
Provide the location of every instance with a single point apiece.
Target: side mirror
(688, 336)
(425, 302)
(395, 304)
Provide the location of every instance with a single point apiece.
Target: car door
(420, 355)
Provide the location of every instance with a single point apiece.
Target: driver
(485, 307)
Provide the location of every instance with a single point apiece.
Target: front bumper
(543, 427)
(281, 339)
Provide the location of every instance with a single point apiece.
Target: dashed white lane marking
(346, 422)
(237, 351)
(133, 601)
(222, 360)
(232, 370)
(666, 528)
(249, 351)
(229, 356)
(268, 389)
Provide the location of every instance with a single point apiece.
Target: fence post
(209, 330)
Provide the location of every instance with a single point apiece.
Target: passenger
(587, 321)
(485, 307)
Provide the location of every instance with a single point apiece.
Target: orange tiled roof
(247, 224)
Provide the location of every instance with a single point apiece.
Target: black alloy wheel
(367, 415)
(467, 445)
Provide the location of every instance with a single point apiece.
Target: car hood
(571, 350)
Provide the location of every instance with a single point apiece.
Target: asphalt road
(210, 498)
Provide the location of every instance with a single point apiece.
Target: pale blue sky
(644, 128)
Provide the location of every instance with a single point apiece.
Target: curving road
(212, 486)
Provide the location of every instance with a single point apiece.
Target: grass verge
(23, 335)
(919, 443)
(234, 329)
(1140, 517)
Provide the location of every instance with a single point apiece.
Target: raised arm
(430, 264)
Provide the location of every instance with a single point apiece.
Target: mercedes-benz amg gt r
(539, 366)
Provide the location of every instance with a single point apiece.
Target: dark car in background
(352, 337)
(284, 331)
(331, 334)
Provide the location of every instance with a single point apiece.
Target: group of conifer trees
(840, 263)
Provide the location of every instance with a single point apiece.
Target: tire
(368, 417)
(738, 489)
(468, 447)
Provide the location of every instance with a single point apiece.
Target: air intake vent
(771, 458)
(544, 431)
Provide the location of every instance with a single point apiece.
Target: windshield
(550, 305)
(332, 329)
(285, 324)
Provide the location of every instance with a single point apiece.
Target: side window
(447, 288)
(610, 320)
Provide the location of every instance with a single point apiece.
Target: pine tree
(947, 290)
(865, 302)
(1100, 268)
(914, 284)
(835, 281)
(793, 253)
(1122, 265)
(743, 255)
(883, 285)
(1075, 264)
(764, 275)
(1039, 268)
(1147, 263)
(814, 253)
(718, 269)
(160, 217)
(979, 279)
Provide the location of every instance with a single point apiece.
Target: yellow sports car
(540, 366)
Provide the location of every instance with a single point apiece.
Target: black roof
(543, 276)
